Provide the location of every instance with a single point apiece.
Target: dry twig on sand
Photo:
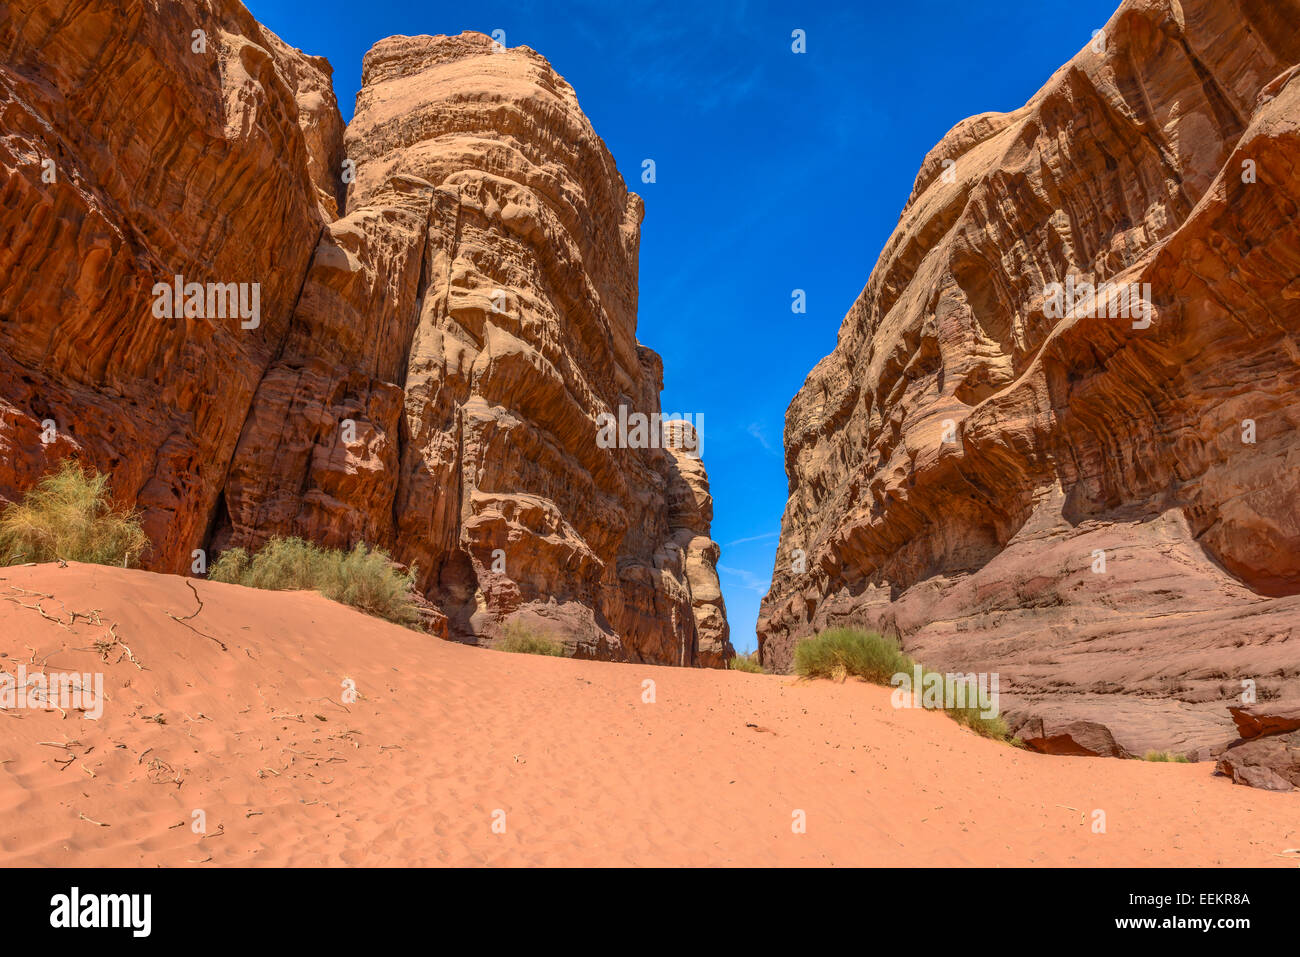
(103, 646)
(186, 620)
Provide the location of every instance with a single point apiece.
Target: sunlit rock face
(446, 306)
(1100, 510)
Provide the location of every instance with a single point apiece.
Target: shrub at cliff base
(839, 652)
(69, 515)
(1163, 756)
(748, 663)
(972, 717)
(521, 640)
(362, 578)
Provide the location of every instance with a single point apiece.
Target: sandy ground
(566, 757)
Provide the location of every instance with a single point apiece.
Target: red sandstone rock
(691, 514)
(1079, 738)
(1271, 762)
(1262, 720)
(1267, 754)
(162, 161)
(434, 348)
(960, 461)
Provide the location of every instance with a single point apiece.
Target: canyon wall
(1100, 510)
(448, 304)
(134, 150)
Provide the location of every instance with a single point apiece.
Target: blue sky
(775, 171)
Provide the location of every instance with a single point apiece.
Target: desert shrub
(363, 578)
(69, 515)
(231, 566)
(520, 639)
(748, 663)
(839, 652)
(1166, 756)
(972, 717)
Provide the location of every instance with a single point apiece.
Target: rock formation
(690, 515)
(1100, 510)
(1266, 753)
(135, 149)
(447, 306)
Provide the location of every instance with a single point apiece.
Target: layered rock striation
(140, 141)
(447, 304)
(1097, 503)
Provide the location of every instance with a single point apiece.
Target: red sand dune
(586, 772)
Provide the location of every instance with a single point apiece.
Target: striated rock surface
(132, 151)
(448, 298)
(690, 515)
(1101, 511)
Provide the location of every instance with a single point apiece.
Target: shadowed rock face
(128, 158)
(963, 460)
(434, 348)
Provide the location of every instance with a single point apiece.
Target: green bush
(972, 717)
(521, 640)
(748, 663)
(1166, 756)
(362, 578)
(69, 515)
(840, 652)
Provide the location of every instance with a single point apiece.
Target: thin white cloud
(747, 580)
(756, 430)
(754, 538)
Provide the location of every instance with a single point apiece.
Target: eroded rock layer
(448, 296)
(1102, 513)
(141, 140)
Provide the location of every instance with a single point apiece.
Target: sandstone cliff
(448, 302)
(1105, 514)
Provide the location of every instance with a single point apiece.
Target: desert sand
(443, 736)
